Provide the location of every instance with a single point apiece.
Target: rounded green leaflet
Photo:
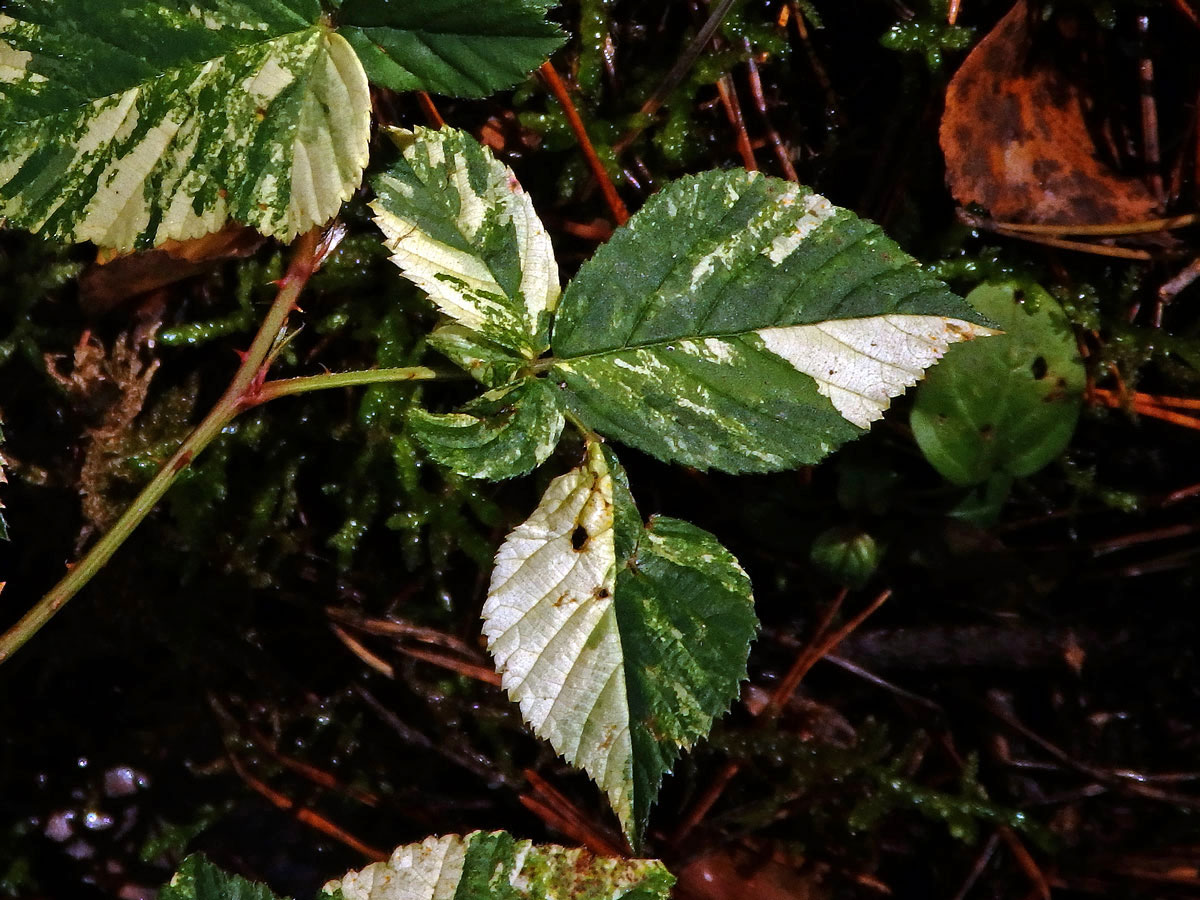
(504, 433)
(1007, 405)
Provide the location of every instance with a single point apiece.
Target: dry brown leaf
(1017, 142)
(117, 277)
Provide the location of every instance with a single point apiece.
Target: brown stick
(431, 111)
(304, 815)
(804, 662)
(615, 204)
(733, 112)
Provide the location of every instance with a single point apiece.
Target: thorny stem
(247, 389)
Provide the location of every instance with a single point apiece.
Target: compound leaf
(620, 641)
(127, 122)
(745, 323)
(462, 229)
(507, 432)
(496, 866)
(464, 48)
(1006, 406)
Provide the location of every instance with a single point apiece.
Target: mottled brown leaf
(1016, 137)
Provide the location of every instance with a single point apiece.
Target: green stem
(285, 387)
(246, 383)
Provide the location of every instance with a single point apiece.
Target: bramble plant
(737, 322)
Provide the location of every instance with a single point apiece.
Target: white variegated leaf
(744, 323)
(621, 642)
(481, 866)
(462, 229)
(127, 123)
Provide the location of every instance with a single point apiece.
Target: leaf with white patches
(744, 323)
(465, 48)
(496, 866)
(463, 230)
(127, 123)
(620, 641)
(507, 432)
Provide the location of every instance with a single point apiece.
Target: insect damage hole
(579, 538)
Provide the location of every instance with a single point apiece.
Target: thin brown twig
(305, 815)
(818, 647)
(360, 650)
(1026, 862)
(760, 103)
(616, 205)
(1079, 246)
(1188, 13)
(555, 809)
(431, 111)
(677, 73)
(312, 773)
(733, 113)
(461, 667)
(1109, 229)
(1150, 147)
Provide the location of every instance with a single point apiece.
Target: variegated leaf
(507, 432)
(486, 866)
(621, 642)
(744, 323)
(127, 122)
(465, 48)
(486, 362)
(463, 230)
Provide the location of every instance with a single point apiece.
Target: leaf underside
(463, 48)
(621, 642)
(744, 323)
(127, 123)
(496, 866)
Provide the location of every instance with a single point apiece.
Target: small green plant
(737, 322)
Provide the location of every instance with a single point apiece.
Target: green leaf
(127, 122)
(1008, 405)
(744, 323)
(507, 432)
(496, 866)
(486, 362)
(621, 642)
(465, 48)
(461, 228)
(199, 879)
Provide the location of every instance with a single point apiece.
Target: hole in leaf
(579, 537)
(1039, 368)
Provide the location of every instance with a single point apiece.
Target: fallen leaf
(1016, 138)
